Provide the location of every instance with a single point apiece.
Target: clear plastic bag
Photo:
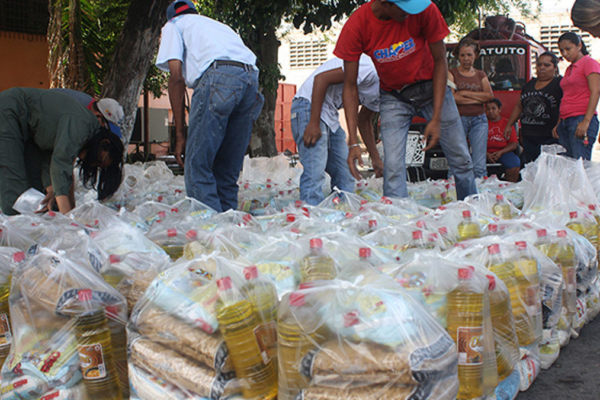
(29, 201)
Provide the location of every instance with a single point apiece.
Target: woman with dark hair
(585, 15)
(43, 133)
(578, 127)
(472, 91)
(538, 108)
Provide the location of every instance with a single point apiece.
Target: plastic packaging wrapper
(29, 201)
(204, 321)
(368, 190)
(342, 201)
(68, 330)
(342, 339)
(171, 236)
(93, 215)
(246, 239)
(268, 169)
(12, 236)
(439, 284)
(78, 245)
(496, 206)
(121, 239)
(205, 243)
(153, 211)
(431, 194)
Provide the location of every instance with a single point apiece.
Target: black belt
(218, 63)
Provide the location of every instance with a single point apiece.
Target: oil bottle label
(470, 345)
(92, 361)
(570, 280)
(5, 335)
(266, 337)
(532, 301)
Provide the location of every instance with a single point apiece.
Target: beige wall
(24, 60)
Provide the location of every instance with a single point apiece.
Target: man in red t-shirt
(500, 150)
(405, 40)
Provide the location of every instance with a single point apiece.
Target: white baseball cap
(111, 110)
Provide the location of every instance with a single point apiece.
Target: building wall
(24, 58)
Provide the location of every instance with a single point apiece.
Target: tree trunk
(75, 68)
(263, 133)
(55, 44)
(133, 56)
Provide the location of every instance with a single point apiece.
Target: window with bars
(24, 16)
(549, 35)
(308, 53)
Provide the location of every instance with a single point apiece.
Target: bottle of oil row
(505, 339)
(317, 265)
(502, 208)
(528, 279)
(237, 323)
(96, 356)
(506, 272)
(596, 229)
(465, 326)
(263, 296)
(468, 228)
(566, 258)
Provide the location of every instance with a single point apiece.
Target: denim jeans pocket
(224, 98)
(258, 106)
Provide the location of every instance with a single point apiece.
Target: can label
(5, 335)
(91, 359)
(470, 345)
(266, 337)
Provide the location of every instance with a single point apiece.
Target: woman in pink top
(578, 127)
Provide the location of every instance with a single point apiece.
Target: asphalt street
(576, 373)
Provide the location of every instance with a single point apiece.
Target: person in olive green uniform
(43, 133)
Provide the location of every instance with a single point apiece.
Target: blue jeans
(329, 154)
(225, 104)
(396, 118)
(575, 147)
(476, 130)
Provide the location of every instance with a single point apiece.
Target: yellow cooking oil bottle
(505, 339)
(528, 279)
(502, 208)
(596, 229)
(465, 326)
(505, 271)
(5, 332)
(237, 323)
(468, 228)
(96, 356)
(263, 297)
(317, 265)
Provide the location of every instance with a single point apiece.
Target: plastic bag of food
(78, 245)
(342, 201)
(368, 191)
(29, 201)
(496, 206)
(121, 239)
(68, 328)
(344, 339)
(202, 242)
(12, 236)
(203, 319)
(93, 215)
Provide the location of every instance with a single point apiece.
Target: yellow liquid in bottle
(96, 356)
(314, 267)
(526, 270)
(237, 324)
(502, 210)
(468, 230)
(174, 251)
(465, 326)
(504, 331)
(523, 323)
(5, 332)
(263, 298)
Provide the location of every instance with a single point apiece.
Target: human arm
(365, 126)
(312, 133)
(440, 77)
(593, 80)
(481, 97)
(514, 117)
(507, 149)
(350, 100)
(176, 98)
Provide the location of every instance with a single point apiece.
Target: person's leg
(478, 135)
(454, 145)
(243, 107)
(205, 134)
(564, 133)
(465, 123)
(13, 169)
(581, 150)
(313, 159)
(396, 117)
(337, 160)
(512, 166)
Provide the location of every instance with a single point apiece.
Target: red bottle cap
(174, 210)
(114, 259)
(561, 234)
(172, 232)
(363, 202)
(465, 273)
(492, 282)
(84, 294)
(494, 249)
(247, 217)
(224, 283)
(592, 207)
(521, 245)
(443, 230)
(349, 215)
(336, 200)
(417, 235)
(372, 223)
(298, 203)
(251, 272)
(18, 256)
(364, 252)
(493, 228)
(316, 243)
(541, 233)
(499, 197)
(466, 214)
(573, 214)
(306, 285)
(351, 319)
(161, 214)
(421, 224)
(191, 235)
(290, 217)
(297, 299)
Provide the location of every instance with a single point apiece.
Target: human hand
(377, 166)
(180, 150)
(496, 156)
(431, 134)
(490, 158)
(48, 201)
(312, 134)
(581, 131)
(354, 155)
(507, 132)
(555, 131)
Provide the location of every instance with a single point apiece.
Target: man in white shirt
(211, 58)
(316, 128)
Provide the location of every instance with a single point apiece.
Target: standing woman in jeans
(578, 127)
(473, 90)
